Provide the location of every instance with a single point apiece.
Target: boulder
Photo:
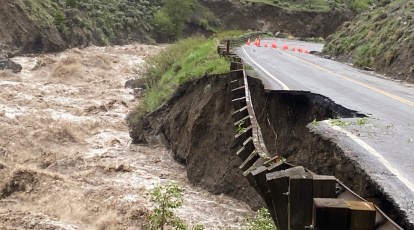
(9, 64)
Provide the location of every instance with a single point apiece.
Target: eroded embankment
(197, 125)
(286, 119)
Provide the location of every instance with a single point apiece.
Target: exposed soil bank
(19, 33)
(256, 16)
(198, 126)
(288, 124)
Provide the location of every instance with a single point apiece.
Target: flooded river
(65, 158)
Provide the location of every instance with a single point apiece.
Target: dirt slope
(19, 32)
(382, 39)
(196, 123)
(236, 15)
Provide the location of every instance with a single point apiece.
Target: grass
(376, 38)
(185, 60)
(340, 123)
(316, 5)
(337, 122)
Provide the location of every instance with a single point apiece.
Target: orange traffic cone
(293, 49)
(258, 42)
(306, 51)
(274, 45)
(265, 45)
(248, 42)
(300, 50)
(285, 47)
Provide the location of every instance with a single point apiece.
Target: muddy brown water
(65, 161)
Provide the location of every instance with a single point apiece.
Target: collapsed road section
(202, 136)
(205, 134)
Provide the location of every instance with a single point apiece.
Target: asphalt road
(384, 144)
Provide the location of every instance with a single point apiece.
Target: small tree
(167, 197)
(261, 220)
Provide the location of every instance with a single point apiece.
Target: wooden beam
(300, 201)
(361, 215)
(329, 213)
(324, 186)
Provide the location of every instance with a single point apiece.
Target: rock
(368, 68)
(139, 92)
(131, 84)
(137, 133)
(9, 64)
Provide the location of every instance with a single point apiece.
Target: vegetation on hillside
(382, 38)
(171, 18)
(118, 21)
(103, 21)
(317, 5)
(185, 60)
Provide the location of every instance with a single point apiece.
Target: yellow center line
(393, 96)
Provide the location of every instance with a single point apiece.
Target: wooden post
(227, 47)
(330, 214)
(324, 186)
(278, 183)
(300, 201)
(361, 215)
(259, 176)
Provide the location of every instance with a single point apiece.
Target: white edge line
(284, 87)
(373, 152)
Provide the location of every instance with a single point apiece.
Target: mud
(201, 135)
(289, 120)
(65, 156)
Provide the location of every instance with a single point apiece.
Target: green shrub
(71, 3)
(261, 220)
(167, 198)
(360, 5)
(60, 21)
(185, 60)
(170, 19)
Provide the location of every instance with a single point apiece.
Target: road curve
(384, 146)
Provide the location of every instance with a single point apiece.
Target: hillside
(316, 5)
(382, 39)
(30, 26)
(294, 19)
(53, 25)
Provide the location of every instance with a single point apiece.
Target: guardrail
(296, 197)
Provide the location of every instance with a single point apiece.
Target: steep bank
(259, 16)
(200, 133)
(19, 32)
(50, 26)
(380, 39)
